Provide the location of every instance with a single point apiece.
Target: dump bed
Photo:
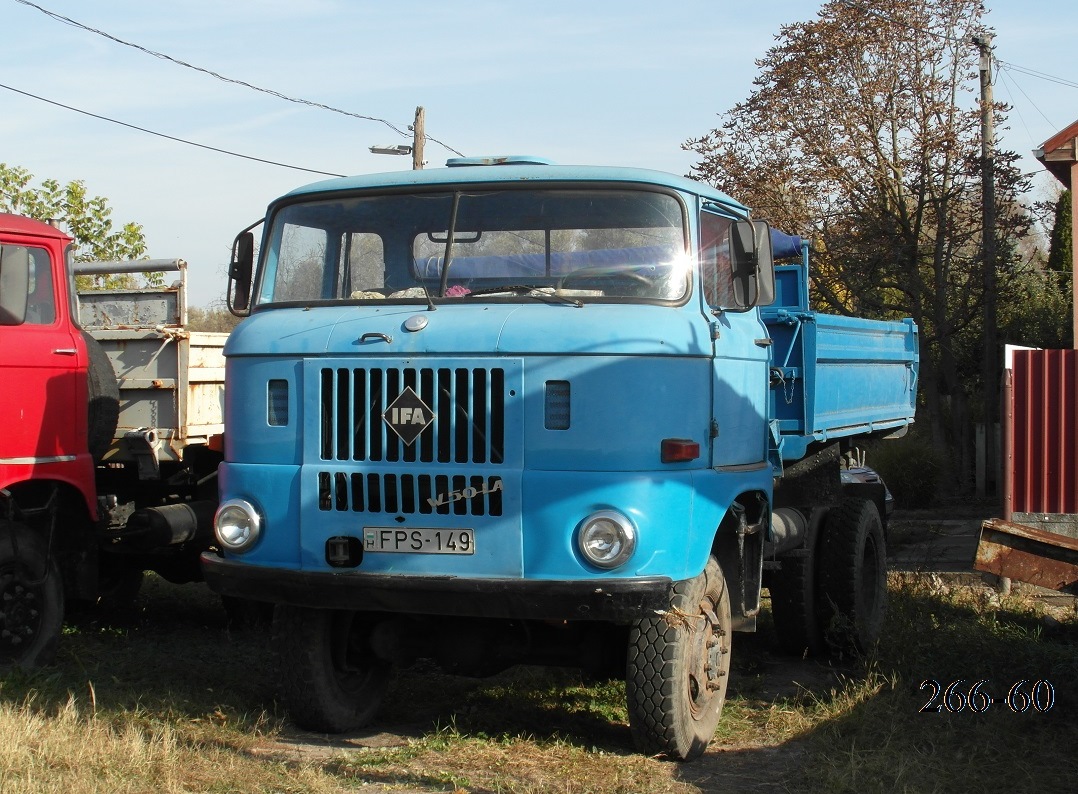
(832, 376)
(171, 380)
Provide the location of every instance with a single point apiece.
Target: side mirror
(753, 264)
(240, 271)
(14, 284)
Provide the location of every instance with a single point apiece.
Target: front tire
(678, 667)
(31, 598)
(330, 680)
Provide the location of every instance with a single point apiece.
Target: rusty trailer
(1027, 554)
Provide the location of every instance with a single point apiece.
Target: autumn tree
(862, 134)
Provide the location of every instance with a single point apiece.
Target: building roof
(1060, 152)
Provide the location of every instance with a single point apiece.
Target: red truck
(105, 471)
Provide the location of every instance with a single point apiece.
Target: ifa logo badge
(408, 416)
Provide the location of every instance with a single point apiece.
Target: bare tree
(862, 133)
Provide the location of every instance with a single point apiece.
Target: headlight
(237, 525)
(606, 539)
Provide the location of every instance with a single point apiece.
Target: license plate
(419, 540)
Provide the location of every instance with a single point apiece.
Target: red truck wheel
(31, 598)
(678, 667)
(330, 680)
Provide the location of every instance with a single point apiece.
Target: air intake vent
(277, 403)
(407, 494)
(556, 413)
(468, 406)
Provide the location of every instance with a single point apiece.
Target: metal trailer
(171, 379)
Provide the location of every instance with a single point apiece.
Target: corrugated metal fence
(1041, 432)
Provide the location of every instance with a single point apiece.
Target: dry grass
(69, 749)
(169, 700)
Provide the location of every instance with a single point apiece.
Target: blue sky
(579, 82)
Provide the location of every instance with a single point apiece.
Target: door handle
(65, 351)
(375, 335)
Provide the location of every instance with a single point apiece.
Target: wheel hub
(20, 615)
(708, 649)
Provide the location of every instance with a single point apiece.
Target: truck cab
(505, 411)
(45, 458)
(95, 489)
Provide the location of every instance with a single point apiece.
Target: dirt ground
(940, 544)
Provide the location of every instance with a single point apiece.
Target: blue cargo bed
(834, 377)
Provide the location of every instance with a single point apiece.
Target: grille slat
(408, 494)
(468, 405)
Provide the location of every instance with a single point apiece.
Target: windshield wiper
(531, 290)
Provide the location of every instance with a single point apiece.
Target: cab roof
(518, 169)
(20, 224)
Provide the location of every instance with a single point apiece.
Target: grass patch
(168, 699)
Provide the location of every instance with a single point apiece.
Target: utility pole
(988, 210)
(419, 136)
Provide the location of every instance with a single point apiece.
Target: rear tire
(853, 577)
(330, 680)
(794, 604)
(678, 668)
(31, 598)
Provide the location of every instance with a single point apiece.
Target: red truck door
(40, 384)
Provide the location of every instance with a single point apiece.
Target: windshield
(585, 245)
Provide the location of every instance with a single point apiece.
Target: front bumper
(615, 600)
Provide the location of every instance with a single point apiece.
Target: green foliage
(1061, 244)
(912, 468)
(1036, 311)
(88, 218)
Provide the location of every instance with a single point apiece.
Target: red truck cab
(45, 459)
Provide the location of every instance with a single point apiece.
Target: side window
(715, 268)
(41, 298)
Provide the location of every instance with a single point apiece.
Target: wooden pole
(988, 211)
(419, 136)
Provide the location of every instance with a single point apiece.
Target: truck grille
(442, 494)
(468, 406)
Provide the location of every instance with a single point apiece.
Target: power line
(1034, 73)
(168, 137)
(162, 56)
(1005, 79)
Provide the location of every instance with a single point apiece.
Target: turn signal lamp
(679, 450)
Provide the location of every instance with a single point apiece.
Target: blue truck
(513, 412)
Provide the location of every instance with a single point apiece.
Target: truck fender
(739, 548)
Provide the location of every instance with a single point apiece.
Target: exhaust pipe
(152, 528)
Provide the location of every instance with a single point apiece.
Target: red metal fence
(1040, 432)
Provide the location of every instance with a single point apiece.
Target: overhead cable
(211, 73)
(1035, 73)
(168, 137)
